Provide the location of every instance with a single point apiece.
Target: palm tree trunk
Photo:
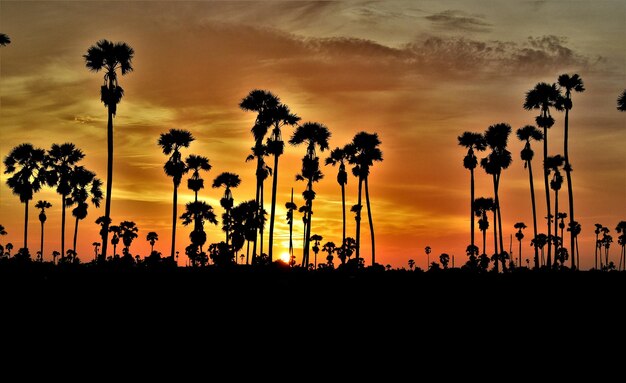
(495, 224)
(532, 199)
(273, 208)
(596, 253)
(174, 210)
(75, 235)
(484, 236)
(520, 254)
(307, 234)
(369, 217)
(107, 205)
(570, 189)
(41, 244)
(472, 208)
(556, 222)
(63, 226)
(262, 205)
(358, 221)
(497, 180)
(26, 224)
(343, 213)
(258, 213)
(547, 188)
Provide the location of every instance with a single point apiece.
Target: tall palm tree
(575, 228)
(543, 97)
(340, 156)
(195, 164)
(110, 58)
(621, 102)
(277, 117)
(290, 206)
(363, 151)
(314, 135)
(227, 180)
(262, 102)
(171, 143)
(471, 141)
(84, 184)
(4, 40)
(62, 161)
(497, 136)
(483, 205)
(27, 166)
(42, 205)
(569, 84)
(553, 164)
(519, 235)
(526, 134)
(597, 232)
(152, 237)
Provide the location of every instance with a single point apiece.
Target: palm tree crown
(4, 39)
(621, 102)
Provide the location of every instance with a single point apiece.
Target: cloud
(454, 20)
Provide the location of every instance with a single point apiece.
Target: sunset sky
(418, 73)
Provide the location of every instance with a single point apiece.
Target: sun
(284, 256)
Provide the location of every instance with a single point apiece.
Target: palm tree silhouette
(109, 57)
(84, 185)
(62, 161)
(316, 247)
(597, 232)
(607, 239)
(246, 222)
(621, 102)
(444, 258)
(262, 102)
(290, 206)
(96, 246)
(540, 241)
(519, 235)
(4, 40)
(427, 250)
(496, 137)
(543, 97)
(115, 239)
(194, 164)
(472, 141)
(362, 152)
(27, 165)
(152, 237)
(43, 205)
(481, 207)
(227, 180)
(128, 232)
(526, 134)
(330, 248)
(621, 240)
(575, 228)
(197, 212)
(553, 164)
(569, 84)
(561, 218)
(277, 116)
(171, 143)
(314, 135)
(340, 156)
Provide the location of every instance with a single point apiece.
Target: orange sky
(418, 73)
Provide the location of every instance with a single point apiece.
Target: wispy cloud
(455, 20)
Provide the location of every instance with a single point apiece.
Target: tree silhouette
(152, 237)
(330, 248)
(621, 102)
(363, 151)
(246, 223)
(540, 241)
(128, 232)
(575, 228)
(606, 240)
(316, 247)
(4, 40)
(340, 156)
(115, 239)
(227, 181)
(83, 185)
(427, 250)
(195, 164)
(481, 207)
(109, 57)
(171, 143)
(553, 164)
(290, 206)
(471, 141)
(543, 97)
(569, 84)
(96, 246)
(444, 258)
(597, 243)
(42, 205)
(519, 235)
(62, 161)
(526, 134)
(621, 240)
(496, 137)
(197, 212)
(26, 164)
(314, 135)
